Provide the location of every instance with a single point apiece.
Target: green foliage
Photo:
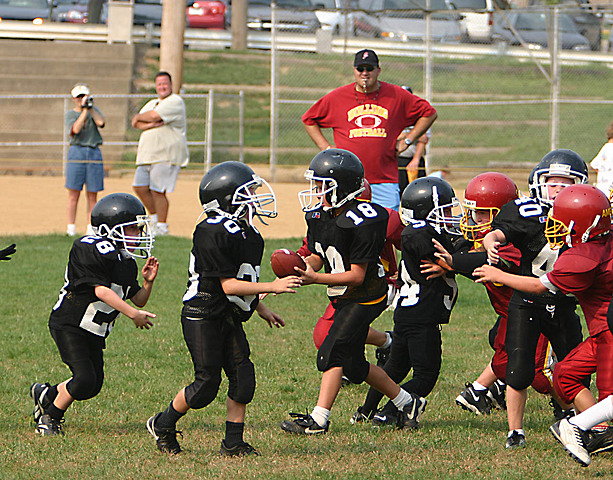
(106, 436)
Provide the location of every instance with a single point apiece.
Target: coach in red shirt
(367, 118)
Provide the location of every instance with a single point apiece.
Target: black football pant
(216, 344)
(82, 352)
(527, 320)
(415, 346)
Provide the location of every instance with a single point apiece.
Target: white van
(479, 17)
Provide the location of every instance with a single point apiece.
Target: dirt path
(37, 205)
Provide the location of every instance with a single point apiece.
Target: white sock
(599, 413)
(477, 386)
(388, 341)
(402, 399)
(320, 415)
(71, 229)
(518, 430)
(154, 218)
(162, 227)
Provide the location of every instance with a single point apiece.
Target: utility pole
(239, 25)
(171, 43)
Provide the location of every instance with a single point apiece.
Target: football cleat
(558, 412)
(387, 416)
(573, 439)
(165, 438)
(496, 394)
(410, 415)
(360, 417)
(303, 424)
(38, 392)
(598, 441)
(240, 450)
(476, 401)
(382, 354)
(516, 440)
(48, 426)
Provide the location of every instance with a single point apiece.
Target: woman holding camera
(84, 165)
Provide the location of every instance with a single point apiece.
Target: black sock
(55, 412)
(168, 418)
(234, 433)
(51, 393)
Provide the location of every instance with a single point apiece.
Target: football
(283, 262)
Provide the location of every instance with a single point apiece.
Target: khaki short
(159, 177)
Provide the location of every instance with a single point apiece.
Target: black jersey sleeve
(368, 221)
(217, 247)
(92, 262)
(521, 220)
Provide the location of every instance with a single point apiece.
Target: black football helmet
(228, 189)
(341, 175)
(113, 213)
(557, 163)
(431, 199)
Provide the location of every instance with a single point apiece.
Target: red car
(206, 14)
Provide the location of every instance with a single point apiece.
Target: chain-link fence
(34, 139)
(535, 85)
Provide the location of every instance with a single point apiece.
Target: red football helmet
(487, 192)
(579, 213)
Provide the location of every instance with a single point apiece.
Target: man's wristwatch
(408, 142)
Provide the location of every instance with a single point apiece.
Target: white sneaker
(71, 230)
(571, 438)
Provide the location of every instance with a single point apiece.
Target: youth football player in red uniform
(580, 219)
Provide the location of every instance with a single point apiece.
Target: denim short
(386, 195)
(159, 177)
(84, 166)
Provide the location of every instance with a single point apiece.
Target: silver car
(402, 21)
(295, 16)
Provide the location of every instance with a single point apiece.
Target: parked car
(349, 15)
(205, 14)
(532, 28)
(35, 11)
(75, 11)
(295, 16)
(478, 17)
(398, 23)
(587, 20)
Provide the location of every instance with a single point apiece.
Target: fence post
(273, 88)
(64, 141)
(241, 120)
(209, 132)
(555, 77)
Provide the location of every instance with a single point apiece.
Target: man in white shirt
(162, 150)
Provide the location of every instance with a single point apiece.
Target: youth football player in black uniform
(346, 237)
(101, 275)
(222, 292)
(426, 208)
(522, 223)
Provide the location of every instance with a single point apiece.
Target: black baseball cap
(366, 57)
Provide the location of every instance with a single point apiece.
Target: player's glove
(6, 253)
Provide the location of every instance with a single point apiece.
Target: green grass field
(106, 436)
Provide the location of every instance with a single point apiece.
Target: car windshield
(414, 5)
(469, 4)
(538, 21)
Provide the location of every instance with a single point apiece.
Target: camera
(90, 102)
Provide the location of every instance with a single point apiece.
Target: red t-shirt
(368, 125)
(586, 271)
